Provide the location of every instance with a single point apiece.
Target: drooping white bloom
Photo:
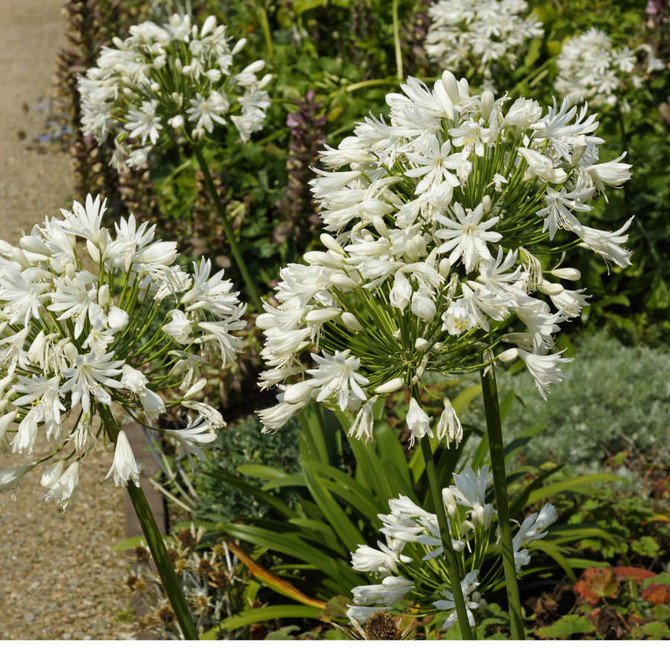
(417, 421)
(124, 467)
(62, 490)
(534, 527)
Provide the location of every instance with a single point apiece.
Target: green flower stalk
(445, 227)
(94, 325)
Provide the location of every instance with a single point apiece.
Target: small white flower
(124, 468)
(449, 425)
(63, 489)
(417, 421)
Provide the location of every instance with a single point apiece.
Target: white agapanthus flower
(482, 34)
(176, 76)
(591, 69)
(403, 563)
(87, 330)
(445, 228)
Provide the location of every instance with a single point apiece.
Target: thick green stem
(234, 248)
(497, 451)
(156, 545)
(445, 535)
(162, 560)
(396, 41)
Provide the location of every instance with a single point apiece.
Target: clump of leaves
(616, 603)
(239, 445)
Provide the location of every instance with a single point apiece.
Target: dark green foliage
(239, 445)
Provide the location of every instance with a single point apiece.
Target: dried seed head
(382, 626)
(142, 554)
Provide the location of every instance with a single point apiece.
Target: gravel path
(60, 578)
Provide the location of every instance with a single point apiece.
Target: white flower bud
(423, 306)
(117, 318)
(508, 355)
(103, 295)
(350, 321)
(444, 268)
(390, 386)
(569, 274)
(298, 392)
(341, 280)
(421, 345)
(488, 100)
(549, 288)
(330, 242)
(318, 316)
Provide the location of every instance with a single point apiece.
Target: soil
(61, 578)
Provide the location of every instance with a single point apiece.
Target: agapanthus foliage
(407, 561)
(94, 323)
(445, 232)
(177, 77)
(591, 69)
(479, 35)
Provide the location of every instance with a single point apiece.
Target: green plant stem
(396, 41)
(497, 451)
(445, 535)
(162, 560)
(156, 545)
(234, 248)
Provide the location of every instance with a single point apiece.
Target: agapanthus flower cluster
(445, 232)
(95, 323)
(177, 77)
(405, 561)
(591, 69)
(483, 35)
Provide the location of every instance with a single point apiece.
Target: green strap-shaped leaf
(254, 491)
(551, 550)
(339, 521)
(389, 448)
(576, 484)
(349, 490)
(271, 613)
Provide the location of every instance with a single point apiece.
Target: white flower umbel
(591, 69)
(404, 566)
(445, 227)
(169, 80)
(487, 35)
(94, 322)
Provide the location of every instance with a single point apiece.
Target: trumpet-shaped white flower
(124, 467)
